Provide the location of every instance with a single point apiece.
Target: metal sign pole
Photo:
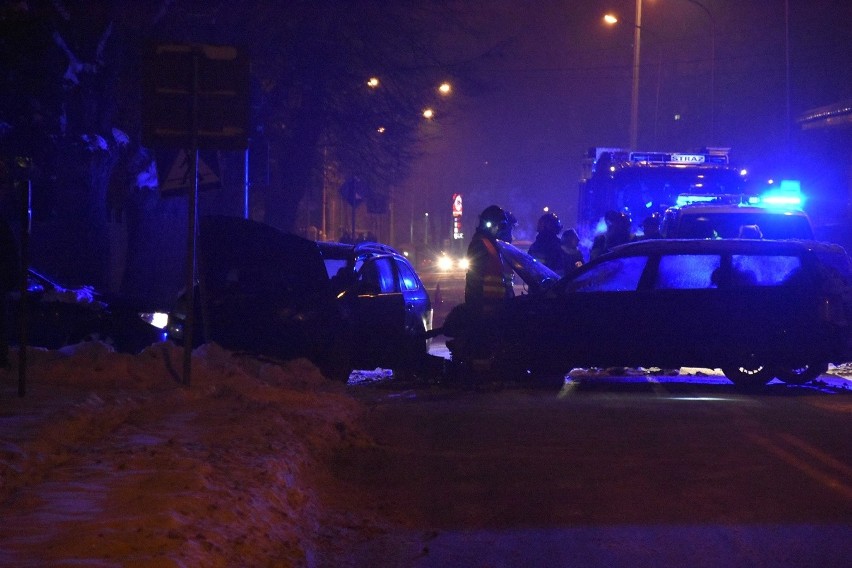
(189, 324)
(196, 98)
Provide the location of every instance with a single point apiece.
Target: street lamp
(634, 92)
(634, 89)
(712, 67)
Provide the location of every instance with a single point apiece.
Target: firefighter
(485, 283)
(547, 248)
(505, 234)
(651, 227)
(571, 253)
(617, 233)
(486, 290)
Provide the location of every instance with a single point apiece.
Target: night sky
(563, 85)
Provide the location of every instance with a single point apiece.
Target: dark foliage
(70, 89)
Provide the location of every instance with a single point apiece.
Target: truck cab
(643, 183)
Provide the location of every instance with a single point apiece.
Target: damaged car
(756, 309)
(56, 316)
(343, 306)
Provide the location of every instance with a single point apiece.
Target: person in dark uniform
(651, 227)
(547, 248)
(617, 233)
(571, 253)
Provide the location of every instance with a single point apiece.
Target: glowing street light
(428, 114)
(445, 88)
(373, 82)
(610, 19)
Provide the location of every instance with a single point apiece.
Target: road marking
(832, 406)
(827, 479)
(826, 459)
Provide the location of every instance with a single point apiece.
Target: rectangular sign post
(196, 97)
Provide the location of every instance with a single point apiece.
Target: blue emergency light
(788, 194)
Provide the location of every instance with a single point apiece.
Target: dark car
(344, 306)
(57, 316)
(757, 309)
(385, 304)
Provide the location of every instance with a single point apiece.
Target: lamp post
(712, 67)
(634, 91)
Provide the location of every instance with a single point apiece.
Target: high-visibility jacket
(485, 285)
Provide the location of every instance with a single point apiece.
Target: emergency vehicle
(723, 216)
(643, 183)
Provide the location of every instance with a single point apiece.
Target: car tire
(801, 374)
(751, 375)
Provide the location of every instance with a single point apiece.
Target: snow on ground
(109, 461)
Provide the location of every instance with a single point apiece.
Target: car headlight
(445, 262)
(464, 263)
(158, 319)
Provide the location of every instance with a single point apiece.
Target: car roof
(724, 246)
(338, 250)
(700, 208)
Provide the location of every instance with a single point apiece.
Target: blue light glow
(687, 198)
(787, 193)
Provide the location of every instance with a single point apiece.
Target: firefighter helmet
(549, 223)
(493, 220)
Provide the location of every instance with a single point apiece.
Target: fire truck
(643, 183)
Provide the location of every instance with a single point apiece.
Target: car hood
(261, 289)
(535, 275)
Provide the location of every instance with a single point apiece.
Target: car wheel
(801, 374)
(749, 376)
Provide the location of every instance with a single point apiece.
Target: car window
(616, 275)
(407, 278)
(686, 271)
(333, 266)
(376, 276)
(766, 270)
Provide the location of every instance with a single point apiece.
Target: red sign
(457, 205)
(457, 216)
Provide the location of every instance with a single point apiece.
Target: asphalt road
(608, 471)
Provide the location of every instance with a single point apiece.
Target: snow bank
(109, 461)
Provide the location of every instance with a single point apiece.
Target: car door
(607, 307)
(686, 312)
(588, 319)
(378, 312)
(418, 307)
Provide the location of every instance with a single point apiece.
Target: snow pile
(109, 461)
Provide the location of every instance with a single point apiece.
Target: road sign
(354, 190)
(195, 95)
(177, 180)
